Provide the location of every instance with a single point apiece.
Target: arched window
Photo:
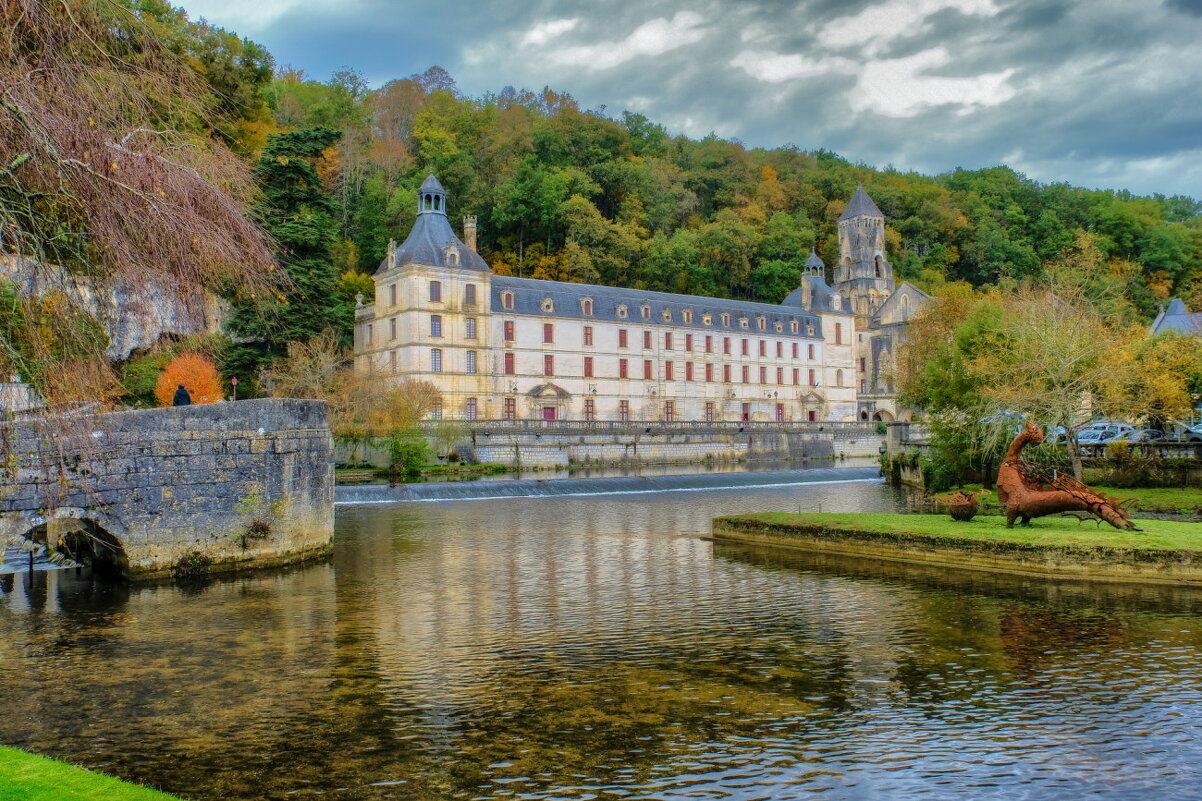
(507, 300)
(877, 263)
(838, 378)
(905, 307)
(548, 305)
(646, 312)
(586, 307)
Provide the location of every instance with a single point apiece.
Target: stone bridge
(225, 484)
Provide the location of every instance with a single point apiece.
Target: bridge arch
(88, 536)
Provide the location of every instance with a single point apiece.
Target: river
(581, 646)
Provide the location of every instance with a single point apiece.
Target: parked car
(1147, 435)
(1100, 434)
(1192, 433)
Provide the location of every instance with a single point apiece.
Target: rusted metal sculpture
(1027, 492)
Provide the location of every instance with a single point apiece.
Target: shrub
(407, 451)
(198, 375)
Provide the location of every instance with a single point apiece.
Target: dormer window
(507, 300)
(667, 315)
(548, 306)
(726, 319)
(687, 315)
(707, 319)
(794, 326)
(761, 323)
(809, 330)
(586, 307)
(622, 311)
(646, 311)
(779, 326)
(744, 322)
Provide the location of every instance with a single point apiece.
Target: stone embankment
(220, 486)
(1163, 552)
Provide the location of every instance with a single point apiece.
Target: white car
(1099, 434)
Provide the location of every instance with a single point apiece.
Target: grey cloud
(1084, 99)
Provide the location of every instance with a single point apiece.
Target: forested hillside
(136, 147)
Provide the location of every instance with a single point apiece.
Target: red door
(746, 412)
(780, 412)
(548, 412)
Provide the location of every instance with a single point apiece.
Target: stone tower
(864, 276)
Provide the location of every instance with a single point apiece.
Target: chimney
(469, 231)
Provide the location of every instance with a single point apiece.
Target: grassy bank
(27, 777)
(1165, 551)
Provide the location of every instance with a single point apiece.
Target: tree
(198, 375)
(1157, 378)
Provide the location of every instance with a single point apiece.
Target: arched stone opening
(883, 416)
(73, 539)
(864, 415)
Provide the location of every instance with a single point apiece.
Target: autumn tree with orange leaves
(198, 375)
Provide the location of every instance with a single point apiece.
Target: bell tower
(864, 275)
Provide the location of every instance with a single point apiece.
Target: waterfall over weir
(524, 488)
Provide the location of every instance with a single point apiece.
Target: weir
(481, 490)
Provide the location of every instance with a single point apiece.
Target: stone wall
(565, 443)
(163, 483)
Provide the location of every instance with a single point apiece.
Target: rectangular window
(688, 342)
(624, 410)
(709, 411)
(435, 325)
(646, 340)
(796, 377)
(588, 366)
(709, 372)
(862, 363)
(780, 375)
(436, 360)
(392, 328)
(794, 350)
(667, 371)
(588, 335)
(746, 374)
(509, 364)
(669, 411)
(667, 340)
(622, 368)
(743, 347)
(763, 349)
(726, 345)
(507, 300)
(436, 411)
(369, 333)
(780, 350)
(590, 409)
(509, 330)
(621, 337)
(813, 383)
(688, 371)
(838, 333)
(471, 408)
(511, 408)
(469, 295)
(469, 328)
(780, 412)
(810, 352)
(392, 295)
(763, 375)
(726, 373)
(470, 361)
(812, 416)
(435, 291)
(548, 332)
(746, 412)
(548, 365)
(709, 344)
(392, 360)
(863, 385)
(647, 370)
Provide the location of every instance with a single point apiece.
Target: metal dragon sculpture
(1028, 492)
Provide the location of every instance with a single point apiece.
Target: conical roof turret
(860, 205)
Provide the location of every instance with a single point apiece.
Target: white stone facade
(500, 347)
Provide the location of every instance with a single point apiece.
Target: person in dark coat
(182, 397)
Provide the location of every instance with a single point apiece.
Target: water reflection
(577, 647)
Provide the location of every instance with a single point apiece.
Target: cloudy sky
(1100, 93)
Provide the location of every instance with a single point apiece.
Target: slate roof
(431, 238)
(431, 184)
(529, 294)
(821, 296)
(814, 261)
(860, 205)
(1177, 317)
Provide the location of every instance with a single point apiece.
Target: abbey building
(500, 347)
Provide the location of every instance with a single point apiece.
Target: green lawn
(1184, 500)
(1044, 532)
(27, 777)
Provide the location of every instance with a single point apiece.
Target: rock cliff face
(133, 316)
